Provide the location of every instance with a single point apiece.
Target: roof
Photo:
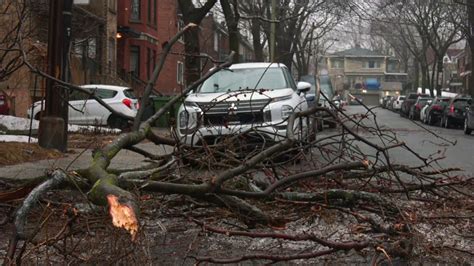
(453, 52)
(104, 86)
(256, 65)
(357, 52)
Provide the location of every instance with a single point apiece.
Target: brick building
(143, 27)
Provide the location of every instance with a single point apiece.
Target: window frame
(135, 49)
(180, 73)
(138, 4)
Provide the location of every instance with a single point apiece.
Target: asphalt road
(452, 144)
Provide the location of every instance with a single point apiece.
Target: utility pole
(273, 32)
(53, 124)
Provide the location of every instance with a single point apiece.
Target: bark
(256, 40)
(470, 40)
(232, 18)
(106, 184)
(191, 14)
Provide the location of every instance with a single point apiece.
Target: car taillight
(451, 108)
(127, 102)
(418, 106)
(436, 107)
(137, 105)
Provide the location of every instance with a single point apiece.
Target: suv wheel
(446, 123)
(467, 130)
(117, 122)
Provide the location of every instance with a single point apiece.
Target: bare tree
(346, 176)
(193, 14)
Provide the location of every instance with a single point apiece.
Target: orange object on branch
(123, 216)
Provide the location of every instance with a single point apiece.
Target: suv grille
(235, 112)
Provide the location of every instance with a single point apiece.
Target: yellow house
(364, 74)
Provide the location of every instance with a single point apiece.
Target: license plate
(2, 102)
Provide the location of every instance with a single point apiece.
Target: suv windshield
(245, 79)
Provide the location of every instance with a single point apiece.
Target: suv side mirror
(303, 86)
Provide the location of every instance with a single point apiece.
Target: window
(135, 10)
(153, 61)
(180, 28)
(180, 73)
(111, 54)
(216, 41)
(76, 95)
(337, 63)
(135, 60)
(372, 64)
(105, 94)
(113, 5)
(148, 62)
(151, 18)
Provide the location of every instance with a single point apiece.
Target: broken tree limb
(56, 179)
(106, 184)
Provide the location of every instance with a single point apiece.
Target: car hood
(241, 95)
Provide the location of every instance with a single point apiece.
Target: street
(453, 144)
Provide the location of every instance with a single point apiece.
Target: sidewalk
(123, 160)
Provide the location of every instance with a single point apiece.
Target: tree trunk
(470, 40)
(257, 43)
(191, 14)
(417, 74)
(424, 76)
(232, 20)
(439, 77)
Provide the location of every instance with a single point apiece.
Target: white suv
(85, 111)
(251, 98)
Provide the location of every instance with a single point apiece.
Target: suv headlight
(286, 111)
(188, 119)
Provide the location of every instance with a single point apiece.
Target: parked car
(454, 113)
(85, 111)
(4, 109)
(326, 90)
(409, 102)
(386, 100)
(415, 109)
(390, 103)
(312, 96)
(434, 111)
(397, 103)
(423, 112)
(251, 98)
(469, 120)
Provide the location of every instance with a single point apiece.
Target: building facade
(143, 28)
(364, 74)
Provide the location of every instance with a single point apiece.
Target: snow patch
(16, 138)
(13, 123)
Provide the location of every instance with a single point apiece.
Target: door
(77, 107)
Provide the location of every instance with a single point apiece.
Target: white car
(397, 103)
(85, 111)
(251, 98)
(423, 115)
